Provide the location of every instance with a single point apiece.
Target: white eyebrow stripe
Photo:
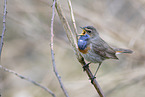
(88, 29)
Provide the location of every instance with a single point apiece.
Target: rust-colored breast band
(85, 50)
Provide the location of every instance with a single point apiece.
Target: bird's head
(90, 30)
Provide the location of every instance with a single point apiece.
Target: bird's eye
(89, 31)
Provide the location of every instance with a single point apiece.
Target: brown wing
(101, 48)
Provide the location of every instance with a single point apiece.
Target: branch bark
(4, 27)
(73, 43)
(52, 52)
(13, 72)
(73, 19)
(27, 79)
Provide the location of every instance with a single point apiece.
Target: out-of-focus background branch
(27, 79)
(4, 26)
(26, 49)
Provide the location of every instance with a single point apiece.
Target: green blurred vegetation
(27, 48)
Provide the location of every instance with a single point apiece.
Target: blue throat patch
(82, 42)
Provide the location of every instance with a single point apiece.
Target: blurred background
(26, 50)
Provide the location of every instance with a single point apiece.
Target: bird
(94, 49)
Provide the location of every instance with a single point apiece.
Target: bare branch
(67, 29)
(72, 41)
(4, 25)
(28, 79)
(52, 52)
(73, 19)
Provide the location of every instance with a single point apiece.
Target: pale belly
(92, 57)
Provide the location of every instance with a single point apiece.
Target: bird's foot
(92, 79)
(85, 66)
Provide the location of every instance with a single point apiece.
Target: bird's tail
(120, 51)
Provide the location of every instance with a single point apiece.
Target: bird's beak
(83, 32)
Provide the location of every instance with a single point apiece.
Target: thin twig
(4, 26)
(71, 40)
(52, 52)
(10, 71)
(28, 79)
(67, 29)
(73, 19)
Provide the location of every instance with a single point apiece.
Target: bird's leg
(86, 66)
(92, 79)
(97, 69)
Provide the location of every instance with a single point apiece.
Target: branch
(28, 79)
(67, 29)
(52, 52)
(72, 41)
(73, 19)
(10, 71)
(4, 25)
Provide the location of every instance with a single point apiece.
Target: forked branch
(13, 72)
(73, 43)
